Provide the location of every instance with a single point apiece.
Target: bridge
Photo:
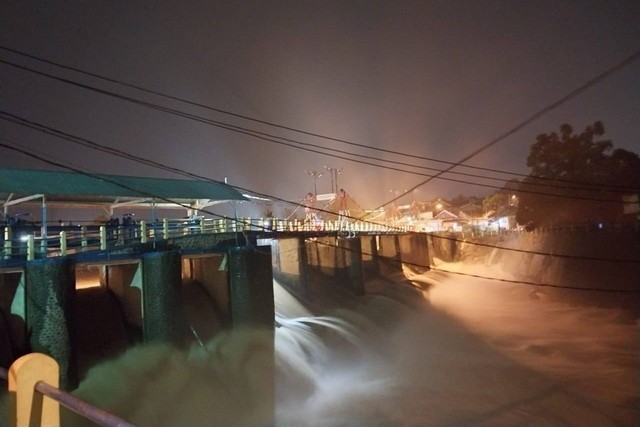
(84, 292)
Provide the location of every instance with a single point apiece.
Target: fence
(33, 379)
(28, 242)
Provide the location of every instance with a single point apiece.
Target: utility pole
(315, 175)
(334, 178)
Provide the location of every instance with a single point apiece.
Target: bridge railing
(29, 243)
(34, 379)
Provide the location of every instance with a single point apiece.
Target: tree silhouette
(583, 179)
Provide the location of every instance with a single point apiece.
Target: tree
(576, 178)
(502, 198)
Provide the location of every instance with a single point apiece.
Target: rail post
(31, 248)
(103, 238)
(63, 243)
(31, 407)
(143, 232)
(165, 227)
(7, 242)
(84, 243)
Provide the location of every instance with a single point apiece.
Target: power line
(256, 134)
(22, 121)
(120, 153)
(535, 116)
(140, 88)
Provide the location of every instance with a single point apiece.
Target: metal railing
(29, 243)
(33, 379)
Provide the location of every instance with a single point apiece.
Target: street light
(334, 177)
(315, 175)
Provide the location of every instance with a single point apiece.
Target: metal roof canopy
(110, 191)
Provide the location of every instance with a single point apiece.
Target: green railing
(29, 243)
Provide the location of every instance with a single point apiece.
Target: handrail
(27, 243)
(37, 372)
(79, 406)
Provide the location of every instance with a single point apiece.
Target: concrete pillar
(356, 273)
(414, 251)
(161, 282)
(252, 305)
(303, 263)
(290, 264)
(389, 252)
(370, 259)
(251, 287)
(50, 305)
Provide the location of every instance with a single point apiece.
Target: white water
(461, 351)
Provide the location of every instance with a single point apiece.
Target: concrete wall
(589, 272)
(205, 293)
(290, 260)
(251, 287)
(125, 281)
(50, 308)
(348, 262)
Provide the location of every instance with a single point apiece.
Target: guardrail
(33, 379)
(29, 243)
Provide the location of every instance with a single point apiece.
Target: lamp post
(315, 175)
(334, 178)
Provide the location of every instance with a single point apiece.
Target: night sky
(433, 79)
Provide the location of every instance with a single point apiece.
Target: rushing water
(449, 351)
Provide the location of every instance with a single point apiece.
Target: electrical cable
(109, 150)
(547, 109)
(288, 128)
(295, 144)
(36, 126)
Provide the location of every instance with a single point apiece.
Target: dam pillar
(251, 287)
(353, 248)
(389, 253)
(370, 260)
(290, 264)
(161, 285)
(252, 305)
(414, 251)
(50, 312)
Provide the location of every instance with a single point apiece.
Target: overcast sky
(432, 79)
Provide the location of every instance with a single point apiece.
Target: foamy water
(459, 351)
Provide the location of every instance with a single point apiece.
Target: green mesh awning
(24, 182)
